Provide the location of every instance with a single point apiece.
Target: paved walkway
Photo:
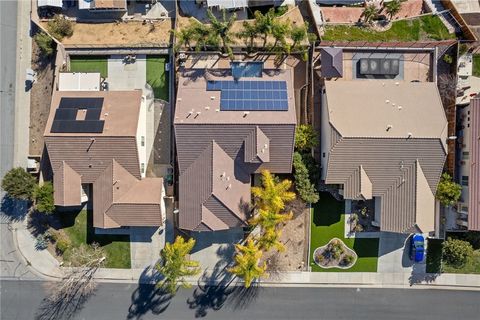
(45, 265)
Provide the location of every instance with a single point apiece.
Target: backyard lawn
(157, 77)
(328, 222)
(90, 64)
(424, 28)
(79, 229)
(476, 65)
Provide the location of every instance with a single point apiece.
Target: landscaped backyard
(157, 77)
(90, 64)
(328, 221)
(476, 65)
(79, 229)
(423, 28)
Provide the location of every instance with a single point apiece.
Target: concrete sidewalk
(48, 267)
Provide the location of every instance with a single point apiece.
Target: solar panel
(251, 95)
(65, 120)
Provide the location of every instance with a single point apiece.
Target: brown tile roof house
(386, 139)
(91, 138)
(218, 149)
(474, 183)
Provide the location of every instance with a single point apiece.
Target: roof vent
(393, 104)
(387, 101)
(246, 113)
(399, 107)
(409, 134)
(389, 127)
(212, 97)
(207, 108)
(105, 114)
(198, 113)
(217, 110)
(397, 83)
(229, 186)
(179, 99)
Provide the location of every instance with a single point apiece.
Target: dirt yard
(132, 33)
(40, 97)
(294, 237)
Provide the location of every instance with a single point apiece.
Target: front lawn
(328, 221)
(157, 77)
(476, 65)
(423, 28)
(90, 64)
(79, 229)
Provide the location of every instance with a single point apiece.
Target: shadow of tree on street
(419, 276)
(14, 210)
(147, 297)
(242, 297)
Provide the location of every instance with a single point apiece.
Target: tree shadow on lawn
(147, 297)
(327, 210)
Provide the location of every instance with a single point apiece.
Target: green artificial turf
(79, 229)
(90, 64)
(157, 77)
(423, 28)
(476, 65)
(328, 217)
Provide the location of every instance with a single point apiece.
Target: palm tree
(221, 28)
(393, 7)
(174, 264)
(184, 37)
(269, 239)
(369, 13)
(269, 219)
(249, 33)
(203, 36)
(273, 194)
(265, 23)
(247, 259)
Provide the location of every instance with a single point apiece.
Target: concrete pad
(127, 76)
(393, 253)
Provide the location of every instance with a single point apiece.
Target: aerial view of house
(209, 158)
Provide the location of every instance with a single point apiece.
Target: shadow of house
(329, 212)
(392, 241)
(147, 298)
(366, 247)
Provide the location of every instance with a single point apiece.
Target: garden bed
(335, 254)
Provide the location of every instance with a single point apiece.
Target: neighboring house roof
(373, 162)
(217, 151)
(474, 179)
(88, 158)
(117, 4)
(227, 4)
(332, 62)
(121, 199)
(50, 3)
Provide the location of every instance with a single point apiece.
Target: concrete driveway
(393, 254)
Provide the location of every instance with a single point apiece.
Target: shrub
(456, 252)
(63, 243)
(43, 196)
(448, 58)
(358, 227)
(305, 188)
(312, 167)
(59, 27)
(319, 257)
(45, 43)
(347, 260)
(18, 184)
(305, 137)
(448, 192)
(41, 242)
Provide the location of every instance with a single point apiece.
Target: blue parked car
(417, 247)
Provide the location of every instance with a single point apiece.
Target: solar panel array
(65, 116)
(251, 95)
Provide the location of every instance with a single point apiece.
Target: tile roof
(332, 62)
(67, 186)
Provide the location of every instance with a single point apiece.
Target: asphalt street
(23, 300)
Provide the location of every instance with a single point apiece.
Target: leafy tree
(272, 195)
(265, 24)
(18, 184)
(249, 34)
(247, 259)
(221, 29)
(44, 42)
(59, 27)
(306, 137)
(269, 239)
(300, 34)
(456, 252)
(174, 264)
(184, 37)
(369, 13)
(280, 31)
(43, 196)
(304, 186)
(204, 36)
(269, 219)
(448, 192)
(392, 8)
